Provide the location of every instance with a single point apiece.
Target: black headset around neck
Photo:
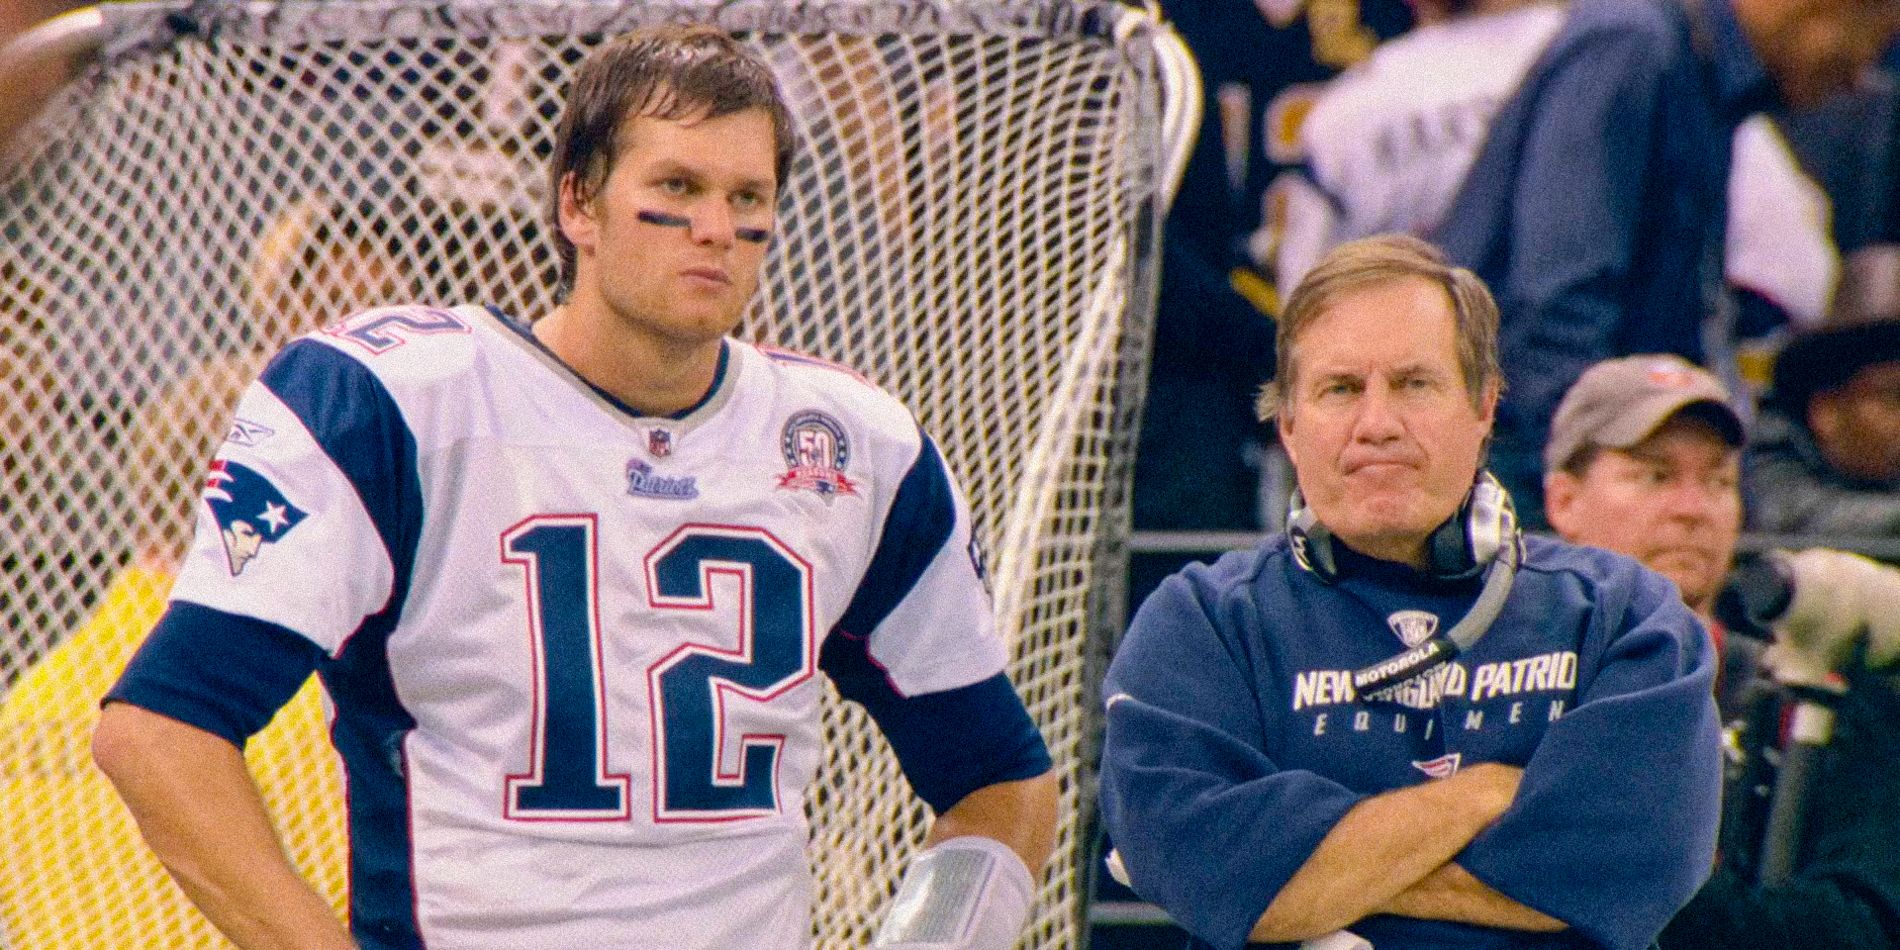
(1460, 549)
(1482, 537)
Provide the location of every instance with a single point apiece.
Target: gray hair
(1384, 259)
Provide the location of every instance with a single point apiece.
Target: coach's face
(1384, 437)
(673, 241)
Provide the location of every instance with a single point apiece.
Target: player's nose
(714, 224)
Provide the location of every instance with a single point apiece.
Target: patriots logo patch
(1440, 767)
(1413, 626)
(251, 511)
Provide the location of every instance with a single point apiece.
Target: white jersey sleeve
(922, 606)
(306, 532)
(284, 534)
(1779, 221)
(917, 644)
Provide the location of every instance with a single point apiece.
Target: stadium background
(1258, 75)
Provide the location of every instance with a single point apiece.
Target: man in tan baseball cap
(1644, 458)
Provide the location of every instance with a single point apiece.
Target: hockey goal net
(971, 223)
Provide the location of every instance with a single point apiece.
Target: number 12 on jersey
(690, 718)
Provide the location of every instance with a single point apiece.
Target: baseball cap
(1618, 403)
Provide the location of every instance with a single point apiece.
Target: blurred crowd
(1714, 179)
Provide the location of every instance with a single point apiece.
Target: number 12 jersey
(572, 650)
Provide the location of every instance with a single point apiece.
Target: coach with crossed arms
(1401, 719)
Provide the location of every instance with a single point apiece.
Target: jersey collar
(716, 395)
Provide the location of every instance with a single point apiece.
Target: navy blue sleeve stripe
(922, 516)
(949, 743)
(224, 673)
(359, 426)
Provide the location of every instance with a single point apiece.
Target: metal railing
(1205, 542)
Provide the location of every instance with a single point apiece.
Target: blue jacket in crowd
(1596, 209)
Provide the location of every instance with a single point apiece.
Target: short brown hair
(662, 72)
(1384, 259)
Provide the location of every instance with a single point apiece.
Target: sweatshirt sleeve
(1209, 827)
(1614, 825)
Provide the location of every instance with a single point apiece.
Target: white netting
(970, 222)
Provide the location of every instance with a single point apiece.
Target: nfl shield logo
(659, 443)
(1413, 626)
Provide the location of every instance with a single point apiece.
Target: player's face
(1816, 48)
(672, 243)
(1673, 502)
(1384, 437)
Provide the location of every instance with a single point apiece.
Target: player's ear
(577, 219)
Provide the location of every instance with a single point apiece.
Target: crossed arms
(1392, 854)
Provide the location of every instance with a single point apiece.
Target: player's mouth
(712, 276)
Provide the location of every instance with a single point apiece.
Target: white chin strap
(968, 893)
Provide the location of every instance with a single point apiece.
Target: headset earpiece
(1490, 518)
(1464, 546)
(1459, 549)
(1312, 544)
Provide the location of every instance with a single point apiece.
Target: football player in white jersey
(1387, 142)
(569, 587)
